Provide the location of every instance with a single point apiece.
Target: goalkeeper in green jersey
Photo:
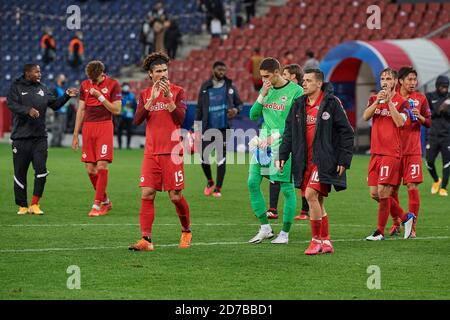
(273, 104)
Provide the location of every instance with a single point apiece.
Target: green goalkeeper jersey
(274, 110)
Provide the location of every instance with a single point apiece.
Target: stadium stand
(302, 25)
(299, 25)
(22, 23)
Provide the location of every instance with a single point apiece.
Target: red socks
(384, 208)
(182, 208)
(315, 228)
(35, 200)
(324, 229)
(398, 214)
(94, 178)
(414, 202)
(147, 216)
(102, 181)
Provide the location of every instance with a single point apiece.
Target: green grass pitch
(36, 251)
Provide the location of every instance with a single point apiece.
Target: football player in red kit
(411, 166)
(100, 98)
(162, 105)
(388, 112)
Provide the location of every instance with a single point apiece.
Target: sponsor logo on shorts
(84, 156)
(142, 179)
(15, 150)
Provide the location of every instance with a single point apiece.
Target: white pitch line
(176, 224)
(198, 244)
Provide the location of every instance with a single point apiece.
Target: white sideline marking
(194, 224)
(124, 247)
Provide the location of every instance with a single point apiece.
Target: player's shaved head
(154, 59)
(28, 67)
(95, 69)
(32, 72)
(270, 65)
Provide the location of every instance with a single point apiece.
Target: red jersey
(311, 119)
(95, 110)
(410, 132)
(162, 134)
(385, 134)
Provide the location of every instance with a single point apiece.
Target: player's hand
(94, 92)
(164, 86)
(263, 144)
(382, 95)
(232, 112)
(156, 90)
(33, 113)
(340, 170)
(73, 92)
(266, 87)
(280, 164)
(444, 106)
(75, 142)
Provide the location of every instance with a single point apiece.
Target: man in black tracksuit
(439, 134)
(218, 102)
(28, 100)
(320, 138)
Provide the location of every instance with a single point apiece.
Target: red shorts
(411, 169)
(163, 171)
(98, 140)
(383, 170)
(311, 180)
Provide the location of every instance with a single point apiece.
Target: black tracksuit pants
(434, 147)
(26, 151)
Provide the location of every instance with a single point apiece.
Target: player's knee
(374, 196)
(91, 170)
(148, 194)
(175, 197)
(252, 185)
(41, 173)
(102, 165)
(412, 186)
(288, 192)
(311, 196)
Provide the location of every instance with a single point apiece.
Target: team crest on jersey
(41, 93)
(105, 90)
(284, 98)
(325, 116)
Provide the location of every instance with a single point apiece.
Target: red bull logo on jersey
(159, 106)
(275, 106)
(383, 112)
